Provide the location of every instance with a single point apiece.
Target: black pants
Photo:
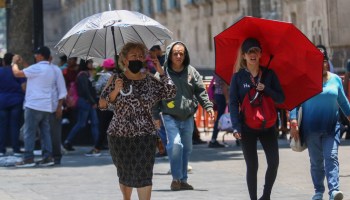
(56, 137)
(104, 117)
(268, 139)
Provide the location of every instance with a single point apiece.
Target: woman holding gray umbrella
(132, 133)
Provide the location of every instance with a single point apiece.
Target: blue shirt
(320, 113)
(10, 88)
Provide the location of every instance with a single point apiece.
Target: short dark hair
(83, 64)
(155, 47)
(8, 58)
(324, 51)
(187, 56)
(63, 58)
(44, 51)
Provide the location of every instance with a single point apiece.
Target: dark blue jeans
(85, 112)
(221, 106)
(10, 123)
(162, 135)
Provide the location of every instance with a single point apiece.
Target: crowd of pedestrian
(146, 95)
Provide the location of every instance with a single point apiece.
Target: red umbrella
(296, 61)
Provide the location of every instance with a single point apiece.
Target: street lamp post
(38, 24)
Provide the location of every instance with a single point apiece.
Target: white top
(42, 90)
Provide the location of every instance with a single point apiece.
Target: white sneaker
(337, 195)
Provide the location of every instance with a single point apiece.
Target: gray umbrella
(103, 35)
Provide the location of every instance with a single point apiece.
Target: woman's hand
(17, 59)
(260, 87)
(211, 114)
(157, 123)
(294, 132)
(237, 135)
(158, 66)
(102, 103)
(118, 84)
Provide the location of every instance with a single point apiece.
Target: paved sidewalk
(218, 174)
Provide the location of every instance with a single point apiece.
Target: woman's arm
(274, 90)
(110, 92)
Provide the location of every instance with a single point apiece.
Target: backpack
(259, 114)
(72, 94)
(258, 109)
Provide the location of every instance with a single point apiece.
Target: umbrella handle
(128, 93)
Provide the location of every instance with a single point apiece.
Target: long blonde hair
(241, 63)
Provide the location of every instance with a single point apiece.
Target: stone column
(20, 29)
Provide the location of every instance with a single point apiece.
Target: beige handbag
(296, 145)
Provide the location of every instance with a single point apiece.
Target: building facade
(196, 22)
(2, 31)
(323, 22)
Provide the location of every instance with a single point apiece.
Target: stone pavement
(217, 174)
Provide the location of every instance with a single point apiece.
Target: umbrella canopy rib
(76, 41)
(121, 35)
(105, 42)
(155, 35)
(63, 45)
(87, 55)
(138, 35)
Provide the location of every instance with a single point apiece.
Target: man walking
(59, 92)
(38, 106)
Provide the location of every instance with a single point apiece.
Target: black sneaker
(215, 144)
(46, 162)
(104, 147)
(25, 163)
(57, 162)
(68, 146)
(198, 141)
(93, 153)
(18, 153)
(283, 136)
(238, 143)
